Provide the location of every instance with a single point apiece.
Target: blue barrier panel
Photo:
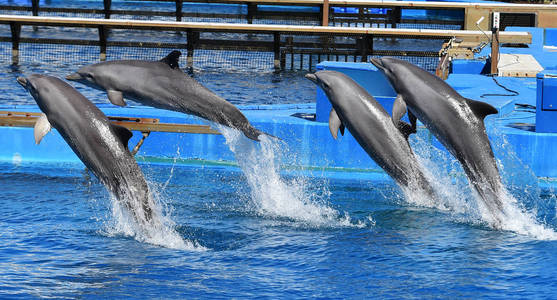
(546, 101)
(467, 66)
(550, 37)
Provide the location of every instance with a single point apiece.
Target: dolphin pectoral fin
(405, 128)
(399, 109)
(122, 133)
(42, 127)
(172, 59)
(116, 97)
(335, 124)
(481, 109)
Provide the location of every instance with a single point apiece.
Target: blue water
(256, 233)
(56, 242)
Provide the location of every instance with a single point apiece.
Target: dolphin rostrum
(162, 84)
(373, 128)
(457, 122)
(100, 145)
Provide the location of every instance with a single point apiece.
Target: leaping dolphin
(373, 128)
(162, 84)
(457, 122)
(100, 145)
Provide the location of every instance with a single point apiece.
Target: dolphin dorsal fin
(122, 133)
(335, 124)
(481, 109)
(399, 109)
(172, 59)
(42, 127)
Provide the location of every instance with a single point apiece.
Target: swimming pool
(361, 241)
(262, 230)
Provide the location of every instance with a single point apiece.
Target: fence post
(365, 46)
(495, 43)
(192, 40)
(16, 33)
(395, 16)
(107, 5)
(276, 49)
(178, 10)
(35, 7)
(102, 41)
(252, 10)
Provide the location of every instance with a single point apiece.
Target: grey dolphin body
(457, 122)
(162, 84)
(372, 127)
(100, 145)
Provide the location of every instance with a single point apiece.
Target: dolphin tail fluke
(253, 134)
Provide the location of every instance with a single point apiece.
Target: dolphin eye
(89, 76)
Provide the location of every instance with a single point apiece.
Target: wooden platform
(28, 119)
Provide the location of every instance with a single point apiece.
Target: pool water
(58, 241)
(253, 230)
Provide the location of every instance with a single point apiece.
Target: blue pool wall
(308, 142)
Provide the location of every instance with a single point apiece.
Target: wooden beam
(28, 119)
(380, 3)
(467, 35)
(325, 13)
(495, 51)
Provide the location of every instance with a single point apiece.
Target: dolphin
(457, 122)
(101, 145)
(162, 84)
(373, 128)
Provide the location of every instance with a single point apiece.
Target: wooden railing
(546, 15)
(193, 29)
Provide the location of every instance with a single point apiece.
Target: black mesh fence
(238, 50)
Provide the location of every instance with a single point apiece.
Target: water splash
(523, 206)
(127, 202)
(457, 196)
(160, 231)
(274, 196)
